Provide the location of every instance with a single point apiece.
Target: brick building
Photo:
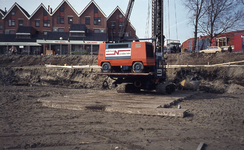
(59, 31)
(234, 39)
(114, 25)
(2, 14)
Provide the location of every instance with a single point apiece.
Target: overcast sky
(139, 14)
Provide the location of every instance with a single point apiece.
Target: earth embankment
(31, 70)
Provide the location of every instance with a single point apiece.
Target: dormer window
(23, 35)
(77, 34)
(77, 30)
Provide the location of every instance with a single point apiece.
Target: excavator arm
(125, 23)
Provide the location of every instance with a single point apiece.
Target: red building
(41, 20)
(224, 40)
(15, 18)
(94, 18)
(62, 31)
(2, 14)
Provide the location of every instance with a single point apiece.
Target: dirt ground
(215, 119)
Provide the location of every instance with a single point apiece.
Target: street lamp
(61, 38)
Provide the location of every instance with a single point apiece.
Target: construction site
(59, 102)
(129, 95)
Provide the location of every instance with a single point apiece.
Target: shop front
(24, 48)
(69, 47)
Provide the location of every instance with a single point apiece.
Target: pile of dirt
(56, 77)
(172, 59)
(41, 60)
(202, 58)
(213, 79)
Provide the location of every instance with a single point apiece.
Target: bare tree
(197, 11)
(221, 16)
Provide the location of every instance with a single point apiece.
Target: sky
(176, 20)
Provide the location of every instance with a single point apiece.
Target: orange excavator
(137, 64)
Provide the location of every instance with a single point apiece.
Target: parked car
(212, 49)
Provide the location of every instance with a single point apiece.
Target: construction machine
(137, 65)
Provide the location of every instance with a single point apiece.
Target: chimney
(5, 10)
(48, 8)
(51, 10)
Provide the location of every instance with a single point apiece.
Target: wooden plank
(234, 62)
(126, 74)
(156, 112)
(123, 103)
(200, 146)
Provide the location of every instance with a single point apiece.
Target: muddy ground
(215, 116)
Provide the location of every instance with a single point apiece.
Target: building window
(55, 29)
(21, 22)
(78, 34)
(200, 44)
(70, 20)
(60, 30)
(1, 26)
(46, 23)
(96, 31)
(62, 8)
(45, 32)
(206, 43)
(6, 32)
(95, 9)
(222, 41)
(11, 23)
(112, 24)
(190, 45)
(44, 12)
(87, 20)
(102, 30)
(97, 21)
(60, 20)
(23, 37)
(120, 25)
(11, 32)
(37, 23)
(13, 12)
(99, 30)
(120, 15)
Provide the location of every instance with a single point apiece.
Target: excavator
(137, 64)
